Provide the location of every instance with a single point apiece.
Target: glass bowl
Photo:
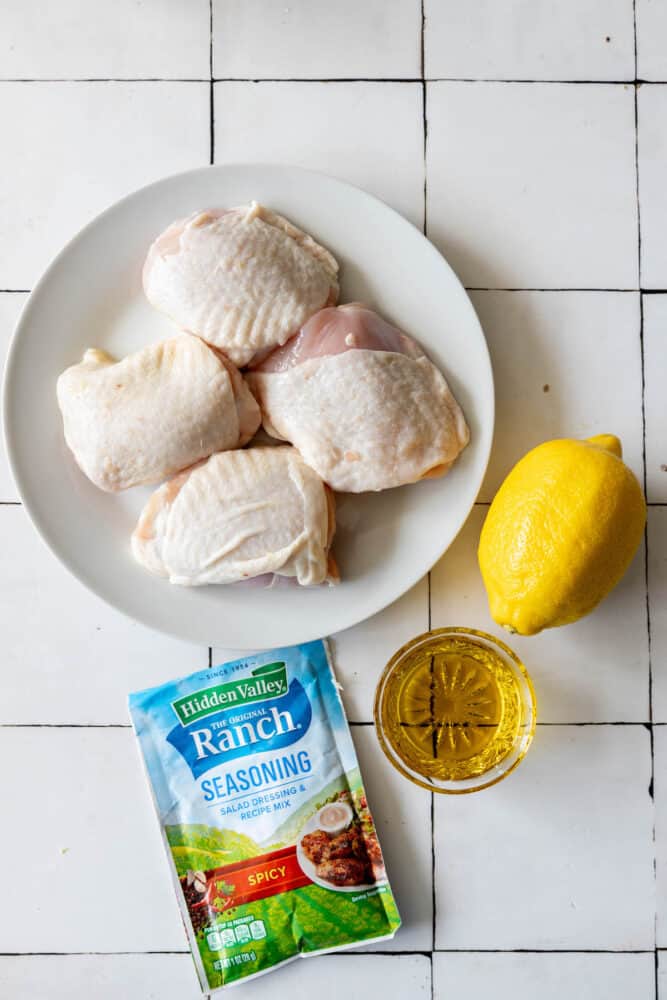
(455, 710)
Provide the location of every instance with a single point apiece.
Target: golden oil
(453, 706)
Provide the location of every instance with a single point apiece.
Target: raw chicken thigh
(244, 279)
(155, 412)
(241, 514)
(361, 401)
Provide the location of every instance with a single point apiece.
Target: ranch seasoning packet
(263, 812)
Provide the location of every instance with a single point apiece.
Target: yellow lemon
(560, 533)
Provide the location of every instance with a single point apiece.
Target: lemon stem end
(608, 442)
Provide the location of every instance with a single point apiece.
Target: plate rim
(87, 579)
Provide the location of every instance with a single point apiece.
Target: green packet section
(261, 935)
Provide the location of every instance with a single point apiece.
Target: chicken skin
(243, 279)
(240, 514)
(154, 413)
(360, 401)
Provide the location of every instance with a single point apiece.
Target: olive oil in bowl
(455, 710)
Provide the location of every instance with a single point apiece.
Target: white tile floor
(52, 628)
(546, 350)
(85, 832)
(11, 304)
(123, 40)
(532, 185)
(104, 977)
(657, 582)
(170, 977)
(655, 399)
(651, 30)
(660, 757)
(540, 40)
(546, 883)
(77, 147)
(300, 40)
(549, 977)
(317, 125)
(561, 858)
(652, 150)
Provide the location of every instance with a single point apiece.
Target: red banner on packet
(255, 878)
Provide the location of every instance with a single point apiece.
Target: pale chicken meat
(154, 413)
(244, 279)
(360, 401)
(240, 515)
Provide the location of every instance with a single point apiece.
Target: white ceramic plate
(91, 295)
(309, 869)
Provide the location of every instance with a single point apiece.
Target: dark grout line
(651, 787)
(331, 79)
(433, 894)
(212, 126)
(14, 291)
(74, 954)
(549, 82)
(422, 44)
(646, 725)
(428, 577)
(544, 951)
(630, 81)
(356, 954)
(65, 725)
(425, 215)
(351, 722)
(318, 79)
(211, 86)
(350, 953)
(424, 120)
(641, 304)
(107, 79)
(479, 288)
(210, 39)
(656, 976)
(425, 155)
(10, 503)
